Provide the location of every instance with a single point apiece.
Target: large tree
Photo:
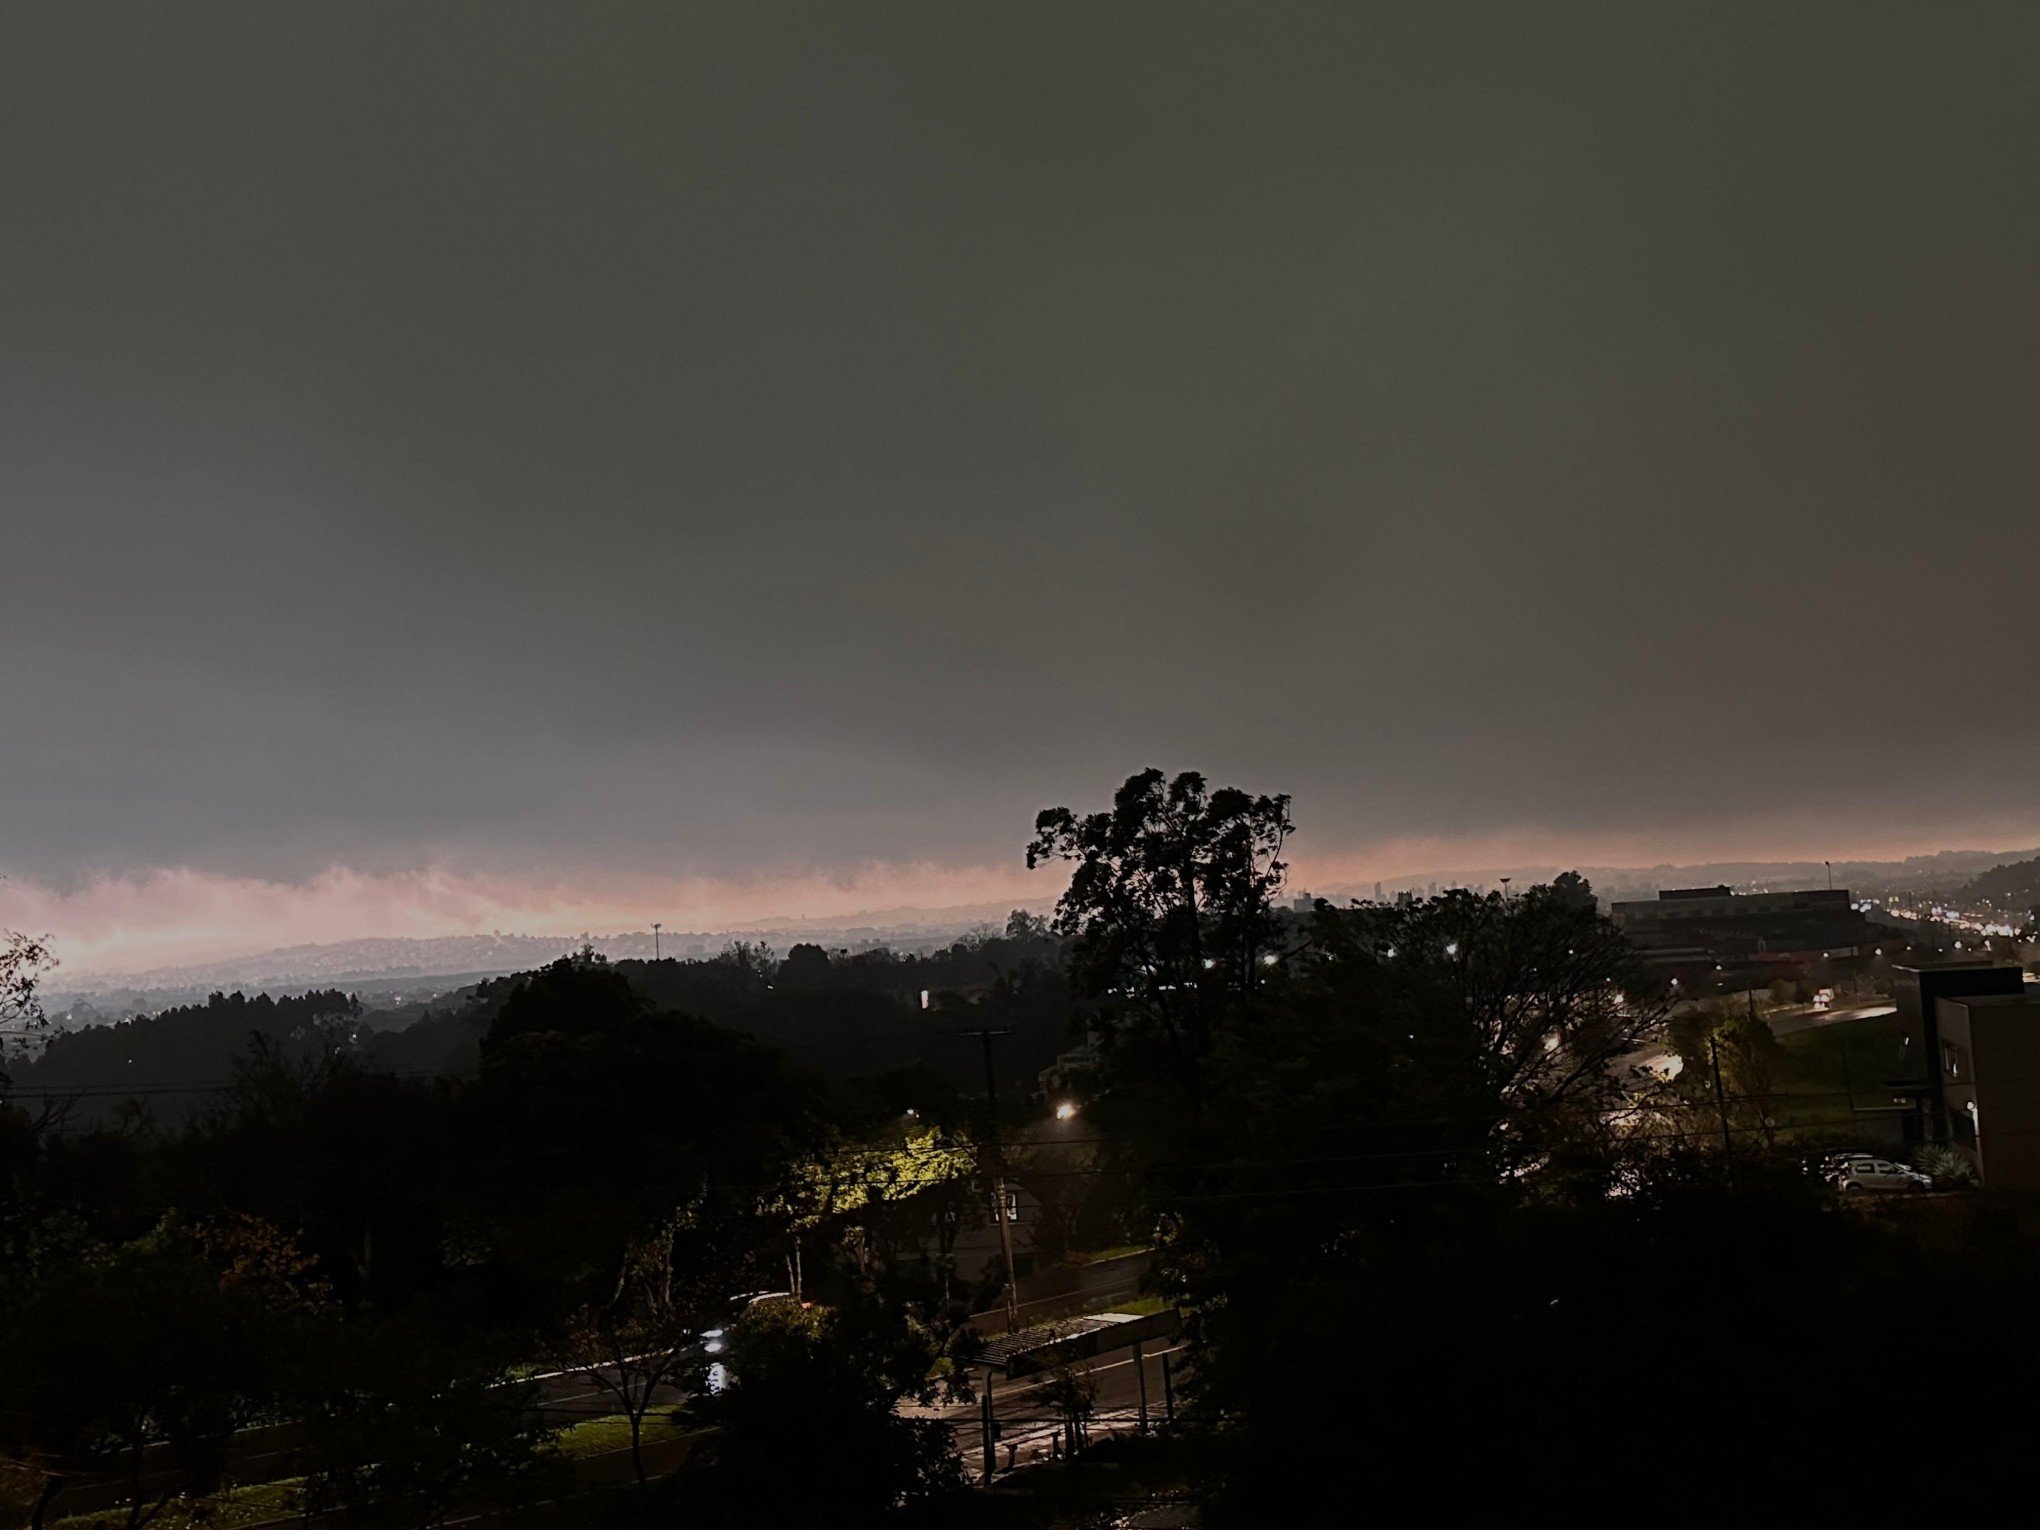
(825, 1383)
(404, 1420)
(1170, 909)
(1505, 1010)
(1412, 1081)
(130, 1367)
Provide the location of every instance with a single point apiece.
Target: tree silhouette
(1170, 908)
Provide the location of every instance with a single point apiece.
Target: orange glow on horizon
(172, 915)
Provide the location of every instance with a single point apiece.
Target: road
(1028, 1425)
(571, 1397)
(1804, 1017)
(1029, 1428)
(1788, 1021)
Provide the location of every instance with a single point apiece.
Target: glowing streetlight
(1066, 1110)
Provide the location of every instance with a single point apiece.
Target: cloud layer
(510, 448)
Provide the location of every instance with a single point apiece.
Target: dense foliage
(369, 1259)
(1393, 1161)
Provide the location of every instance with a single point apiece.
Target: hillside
(2013, 887)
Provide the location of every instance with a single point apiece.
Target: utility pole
(1720, 1100)
(995, 1168)
(656, 927)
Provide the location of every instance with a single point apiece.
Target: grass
(600, 1436)
(1828, 1070)
(259, 1503)
(1144, 1306)
(266, 1502)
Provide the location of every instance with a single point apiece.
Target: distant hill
(839, 1014)
(360, 965)
(2014, 887)
(348, 962)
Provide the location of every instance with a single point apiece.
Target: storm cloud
(772, 440)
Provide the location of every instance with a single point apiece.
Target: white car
(713, 1339)
(1862, 1172)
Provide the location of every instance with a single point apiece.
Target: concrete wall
(1918, 992)
(1990, 1061)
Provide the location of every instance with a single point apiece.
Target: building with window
(1739, 924)
(1921, 994)
(1989, 1066)
(1712, 937)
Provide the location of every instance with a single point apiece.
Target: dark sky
(755, 440)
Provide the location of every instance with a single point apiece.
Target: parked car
(1860, 1171)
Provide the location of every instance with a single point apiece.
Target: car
(713, 1339)
(1861, 1171)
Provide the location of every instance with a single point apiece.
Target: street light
(1066, 1110)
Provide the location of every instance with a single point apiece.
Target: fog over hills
(380, 961)
(397, 967)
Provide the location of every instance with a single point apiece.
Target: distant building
(1069, 1069)
(1709, 938)
(1733, 924)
